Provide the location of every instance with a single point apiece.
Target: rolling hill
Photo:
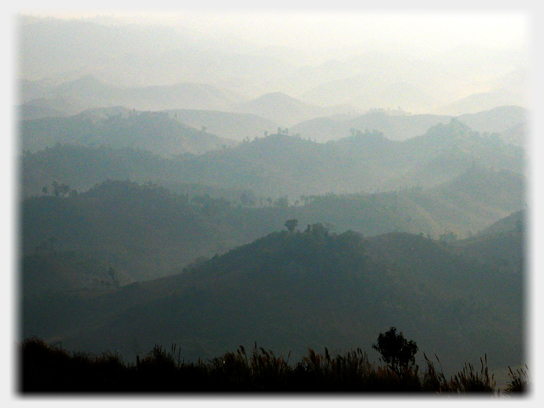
(146, 231)
(120, 127)
(496, 120)
(273, 166)
(193, 188)
(142, 231)
(286, 110)
(235, 126)
(90, 92)
(402, 127)
(484, 101)
(290, 291)
(284, 165)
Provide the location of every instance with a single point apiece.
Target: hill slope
(89, 92)
(119, 128)
(145, 231)
(235, 126)
(273, 166)
(290, 291)
(285, 165)
(285, 110)
(403, 127)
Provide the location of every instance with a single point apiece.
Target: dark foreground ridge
(49, 369)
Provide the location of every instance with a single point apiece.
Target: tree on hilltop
(291, 225)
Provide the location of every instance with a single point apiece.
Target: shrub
(396, 351)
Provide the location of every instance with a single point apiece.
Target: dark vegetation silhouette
(51, 369)
(304, 289)
(291, 225)
(396, 351)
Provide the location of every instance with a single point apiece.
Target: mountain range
(271, 166)
(120, 127)
(180, 187)
(200, 105)
(191, 71)
(145, 231)
(288, 291)
(399, 126)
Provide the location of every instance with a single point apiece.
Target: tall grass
(49, 368)
(469, 380)
(519, 381)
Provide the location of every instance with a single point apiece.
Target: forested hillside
(120, 128)
(283, 165)
(308, 288)
(144, 231)
(400, 125)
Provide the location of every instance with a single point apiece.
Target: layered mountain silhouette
(271, 166)
(286, 110)
(395, 126)
(145, 231)
(309, 288)
(90, 92)
(182, 187)
(119, 127)
(151, 57)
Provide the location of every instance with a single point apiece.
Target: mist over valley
(207, 189)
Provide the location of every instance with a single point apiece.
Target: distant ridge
(235, 126)
(282, 164)
(90, 92)
(499, 119)
(402, 127)
(286, 110)
(514, 222)
(483, 101)
(120, 127)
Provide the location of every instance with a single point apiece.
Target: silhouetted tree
(291, 225)
(112, 273)
(282, 202)
(448, 237)
(396, 351)
(56, 191)
(245, 200)
(60, 189)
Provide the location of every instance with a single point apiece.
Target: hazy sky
(421, 30)
(425, 31)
